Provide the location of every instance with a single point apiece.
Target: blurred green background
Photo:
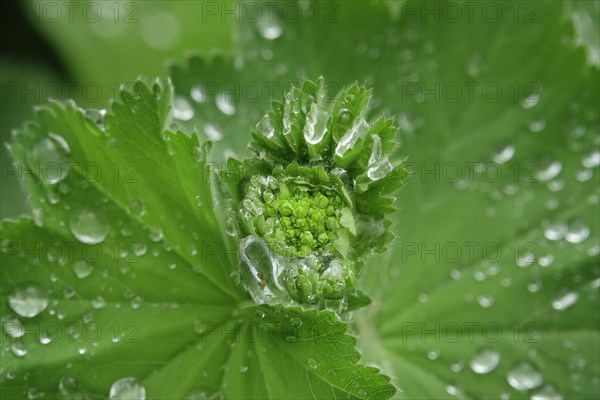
(84, 50)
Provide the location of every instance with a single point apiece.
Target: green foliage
(527, 236)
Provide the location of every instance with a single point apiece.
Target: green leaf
(126, 272)
(540, 133)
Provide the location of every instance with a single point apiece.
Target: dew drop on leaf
(485, 361)
(18, 350)
(577, 232)
(547, 392)
(380, 169)
(136, 207)
(127, 389)
(549, 169)
(530, 101)
(13, 328)
(225, 103)
(182, 110)
(504, 154)
(48, 161)
(269, 27)
(197, 94)
(88, 226)
(69, 386)
(565, 301)
(212, 132)
(555, 230)
(82, 269)
(524, 377)
(28, 300)
(312, 363)
(316, 124)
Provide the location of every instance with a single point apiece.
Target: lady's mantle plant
(311, 203)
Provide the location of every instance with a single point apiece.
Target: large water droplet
(555, 230)
(48, 161)
(376, 150)
(13, 328)
(197, 94)
(18, 350)
(269, 27)
(380, 169)
(592, 159)
(82, 269)
(127, 389)
(530, 101)
(316, 124)
(577, 232)
(265, 127)
(524, 377)
(28, 300)
(88, 226)
(212, 132)
(547, 392)
(504, 154)
(549, 169)
(358, 130)
(565, 301)
(485, 361)
(182, 109)
(225, 103)
(260, 271)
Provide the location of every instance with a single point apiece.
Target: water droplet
(380, 169)
(578, 232)
(316, 124)
(433, 355)
(69, 386)
(28, 300)
(48, 161)
(312, 363)
(225, 103)
(203, 394)
(260, 313)
(591, 160)
(212, 132)
(136, 207)
(565, 301)
(13, 328)
(82, 269)
(530, 101)
(18, 350)
(536, 125)
(486, 301)
(504, 154)
(358, 130)
(269, 27)
(98, 302)
(127, 389)
(485, 361)
(197, 94)
(182, 109)
(584, 175)
(344, 116)
(555, 231)
(88, 226)
(243, 369)
(265, 127)
(548, 169)
(524, 377)
(547, 392)
(526, 259)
